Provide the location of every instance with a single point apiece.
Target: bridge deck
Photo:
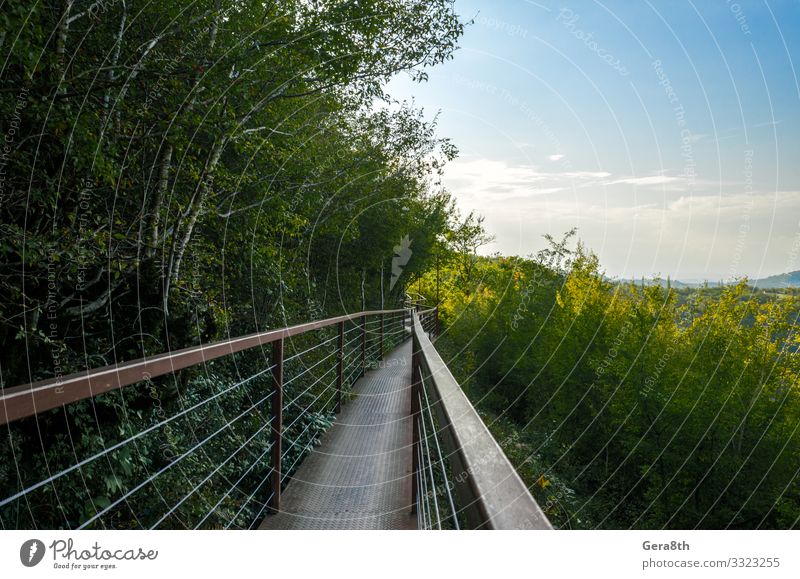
(360, 475)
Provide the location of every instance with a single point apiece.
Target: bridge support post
(381, 344)
(363, 345)
(415, 412)
(276, 408)
(340, 367)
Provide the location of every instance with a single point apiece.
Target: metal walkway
(359, 477)
(381, 451)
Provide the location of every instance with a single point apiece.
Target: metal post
(276, 408)
(438, 254)
(415, 410)
(340, 368)
(363, 345)
(381, 344)
(436, 318)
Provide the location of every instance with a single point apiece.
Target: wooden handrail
(491, 492)
(30, 399)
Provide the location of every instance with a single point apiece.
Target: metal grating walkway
(359, 477)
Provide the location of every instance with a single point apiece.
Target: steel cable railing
(233, 487)
(436, 465)
(430, 488)
(214, 457)
(461, 478)
(164, 469)
(219, 466)
(118, 445)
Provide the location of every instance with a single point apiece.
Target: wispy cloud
(766, 124)
(679, 236)
(652, 180)
(497, 180)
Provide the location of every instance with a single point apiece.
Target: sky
(665, 131)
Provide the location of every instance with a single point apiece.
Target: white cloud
(652, 180)
(489, 176)
(700, 236)
(555, 157)
(712, 231)
(495, 180)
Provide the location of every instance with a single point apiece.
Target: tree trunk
(181, 239)
(152, 231)
(112, 76)
(214, 28)
(61, 44)
(118, 115)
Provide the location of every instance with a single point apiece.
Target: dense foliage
(180, 172)
(627, 405)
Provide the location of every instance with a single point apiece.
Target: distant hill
(783, 280)
(675, 284)
(780, 281)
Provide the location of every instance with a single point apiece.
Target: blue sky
(667, 131)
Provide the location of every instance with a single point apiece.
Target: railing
(217, 459)
(462, 479)
(414, 301)
(215, 448)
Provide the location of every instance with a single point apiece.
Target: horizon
(665, 138)
(657, 276)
